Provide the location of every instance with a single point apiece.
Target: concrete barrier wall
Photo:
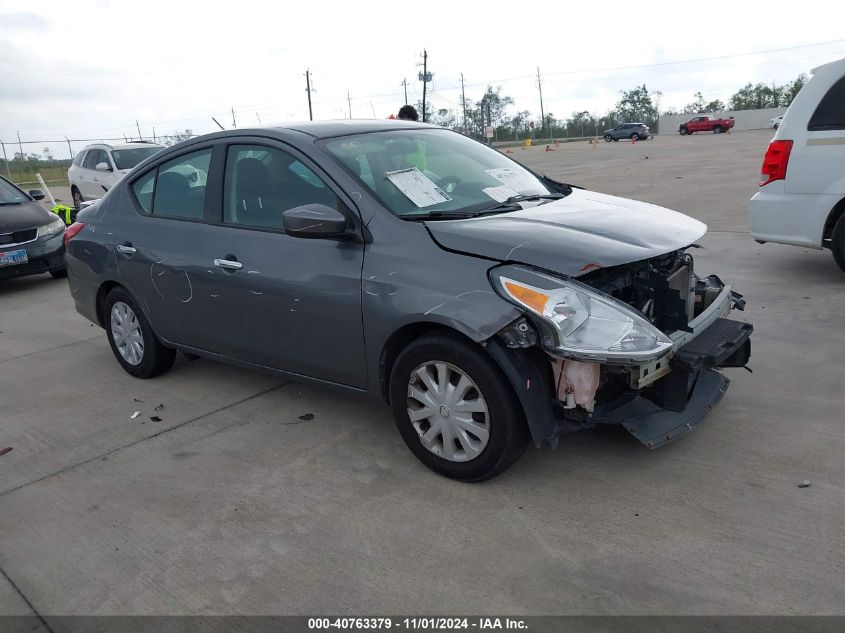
(745, 119)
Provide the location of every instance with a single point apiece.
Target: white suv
(801, 199)
(99, 167)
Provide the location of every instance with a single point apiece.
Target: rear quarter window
(143, 190)
(830, 113)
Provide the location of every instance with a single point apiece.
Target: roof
(345, 127)
(129, 145)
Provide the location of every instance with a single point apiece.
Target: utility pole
(349, 101)
(69, 148)
(424, 77)
(140, 136)
(234, 123)
(6, 159)
(308, 90)
(464, 102)
(20, 145)
(542, 113)
(405, 85)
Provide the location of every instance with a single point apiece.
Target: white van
(801, 199)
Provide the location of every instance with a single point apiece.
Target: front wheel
(455, 409)
(131, 338)
(717, 129)
(607, 138)
(77, 197)
(59, 273)
(684, 131)
(837, 243)
(635, 137)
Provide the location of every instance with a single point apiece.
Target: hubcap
(126, 332)
(448, 412)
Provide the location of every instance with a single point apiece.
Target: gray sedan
(487, 305)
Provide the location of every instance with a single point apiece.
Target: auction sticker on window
(513, 179)
(500, 194)
(417, 187)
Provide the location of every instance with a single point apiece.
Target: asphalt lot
(233, 504)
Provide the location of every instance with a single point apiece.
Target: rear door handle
(228, 264)
(126, 248)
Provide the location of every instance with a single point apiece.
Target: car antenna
(218, 123)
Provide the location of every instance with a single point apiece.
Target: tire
(635, 137)
(717, 129)
(77, 197)
(776, 125)
(837, 243)
(615, 140)
(61, 273)
(684, 131)
(489, 390)
(155, 358)
(607, 138)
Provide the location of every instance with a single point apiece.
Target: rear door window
(830, 113)
(176, 188)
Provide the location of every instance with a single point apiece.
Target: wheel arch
(833, 217)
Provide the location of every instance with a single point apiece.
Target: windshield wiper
(513, 201)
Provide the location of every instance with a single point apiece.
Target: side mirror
(316, 221)
(102, 167)
(36, 194)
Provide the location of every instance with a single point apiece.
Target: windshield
(128, 158)
(10, 194)
(421, 172)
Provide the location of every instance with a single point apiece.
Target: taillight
(72, 230)
(775, 162)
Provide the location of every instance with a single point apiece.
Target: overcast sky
(91, 69)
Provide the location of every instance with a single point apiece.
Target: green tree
(636, 105)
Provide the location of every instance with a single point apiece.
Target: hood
(27, 215)
(574, 235)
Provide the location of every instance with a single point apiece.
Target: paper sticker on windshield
(513, 179)
(500, 194)
(417, 187)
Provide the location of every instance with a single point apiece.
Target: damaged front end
(638, 345)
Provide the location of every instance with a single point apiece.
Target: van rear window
(830, 113)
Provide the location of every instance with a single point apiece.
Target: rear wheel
(837, 243)
(131, 338)
(455, 409)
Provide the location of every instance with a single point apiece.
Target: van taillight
(72, 230)
(774, 164)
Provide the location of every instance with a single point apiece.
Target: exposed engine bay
(666, 291)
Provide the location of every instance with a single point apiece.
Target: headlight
(53, 228)
(578, 321)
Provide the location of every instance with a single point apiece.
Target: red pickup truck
(706, 124)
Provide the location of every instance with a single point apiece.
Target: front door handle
(126, 248)
(228, 264)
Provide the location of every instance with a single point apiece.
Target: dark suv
(633, 131)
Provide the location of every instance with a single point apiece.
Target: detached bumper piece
(655, 426)
(692, 389)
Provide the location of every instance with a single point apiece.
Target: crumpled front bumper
(675, 393)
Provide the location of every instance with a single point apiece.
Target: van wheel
(455, 409)
(131, 338)
(837, 243)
